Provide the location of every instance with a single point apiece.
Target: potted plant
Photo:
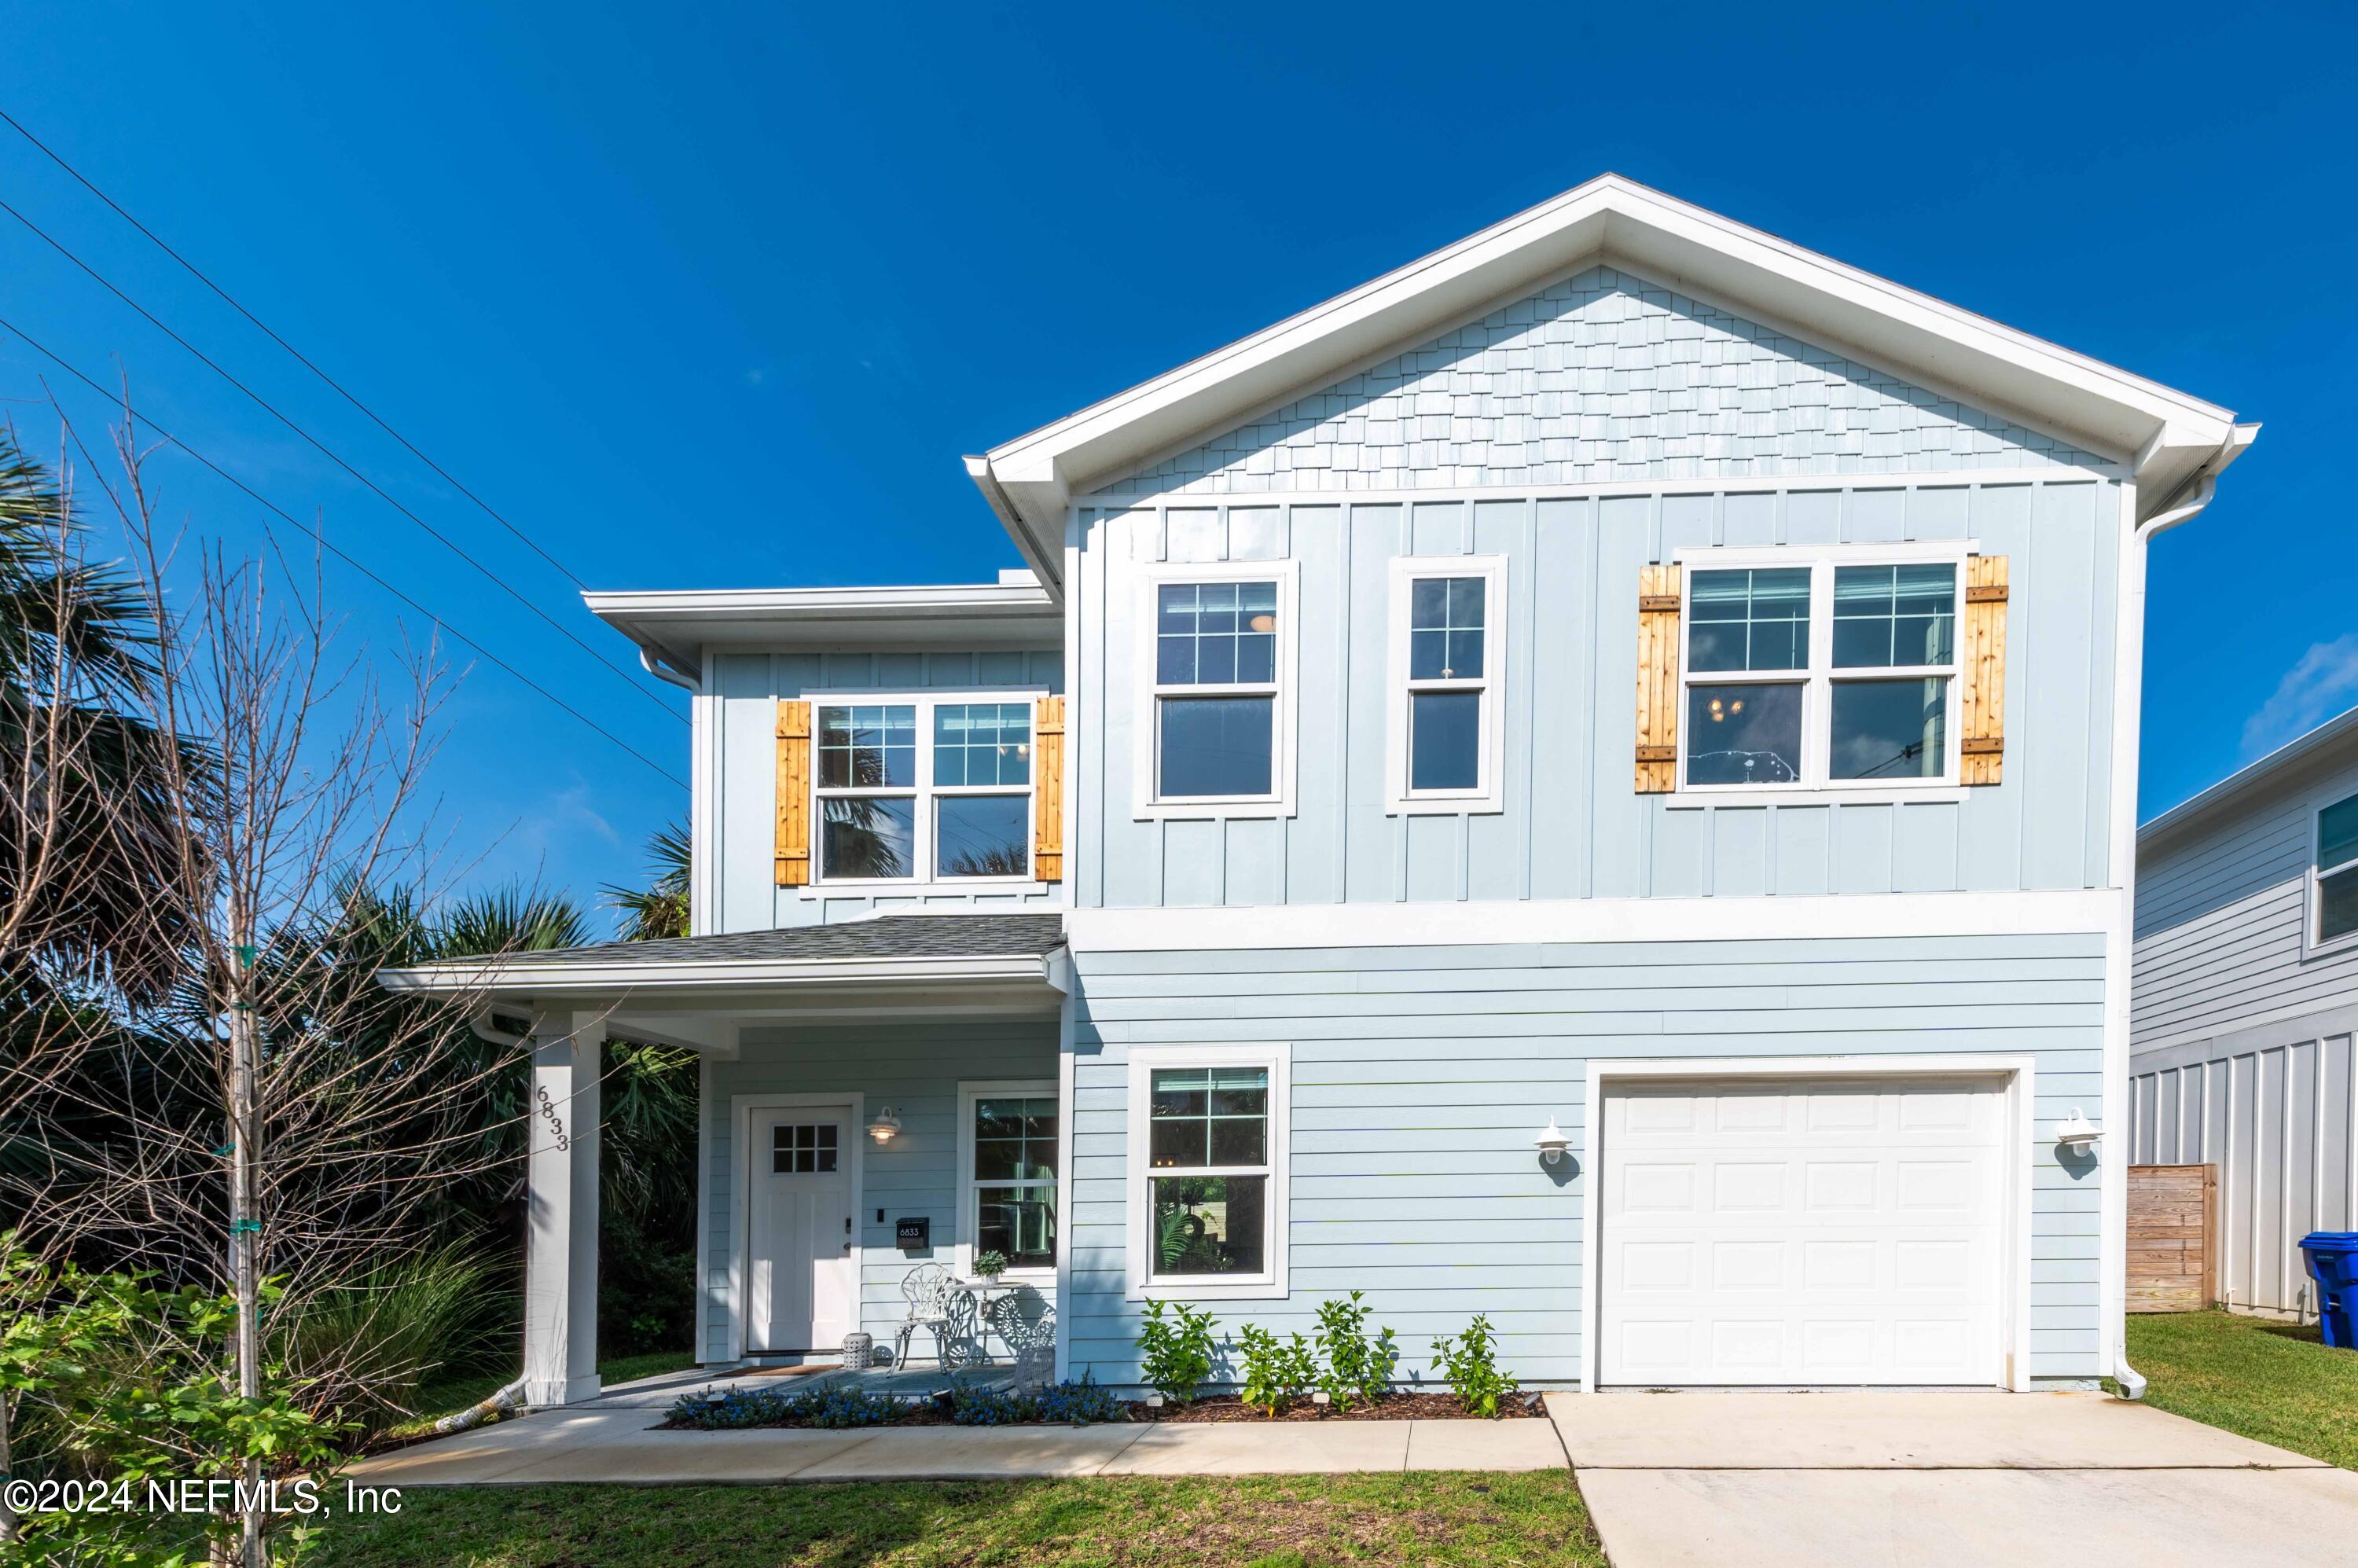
(989, 1263)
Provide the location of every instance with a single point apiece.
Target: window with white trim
(2336, 874)
(928, 788)
(1207, 1162)
(1218, 658)
(1009, 1147)
(1448, 647)
(1838, 673)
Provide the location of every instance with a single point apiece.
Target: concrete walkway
(1928, 1480)
(595, 1443)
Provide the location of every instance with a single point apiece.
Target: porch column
(560, 1280)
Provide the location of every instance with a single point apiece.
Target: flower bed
(1391, 1407)
(841, 1407)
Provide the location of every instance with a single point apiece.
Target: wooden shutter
(1981, 707)
(1658, 679)
(794, 795)
(1048, 789)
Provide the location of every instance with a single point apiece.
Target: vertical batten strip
(1048, 790)
(1982, 708)
(794, 795)
(1658, 679)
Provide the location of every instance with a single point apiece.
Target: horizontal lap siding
(1422, 1075)
(914, 1068)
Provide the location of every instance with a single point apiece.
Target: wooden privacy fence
(2173, 1238)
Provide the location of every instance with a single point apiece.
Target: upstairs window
(1827, 673)
(924, 788)
(2336, 878)
(1447, 616)
(1219, 660)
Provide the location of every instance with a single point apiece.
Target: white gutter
(663, 669)
(2129, 687)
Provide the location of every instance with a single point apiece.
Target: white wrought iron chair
(933, 1297)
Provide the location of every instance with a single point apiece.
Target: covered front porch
(878, 1105)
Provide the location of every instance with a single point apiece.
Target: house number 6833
(555, 1122)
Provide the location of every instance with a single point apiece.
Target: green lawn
(1367, 1521)
(2268, 1381)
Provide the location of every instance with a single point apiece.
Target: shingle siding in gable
(1602, 378)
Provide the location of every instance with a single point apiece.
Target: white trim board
(2021, 1077)
(1592, 920)
(1113, 503)
(740, 1194)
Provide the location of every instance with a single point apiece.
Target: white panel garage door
(1802, 1231)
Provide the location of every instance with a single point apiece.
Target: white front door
(799, 1221)
(1801, 1232)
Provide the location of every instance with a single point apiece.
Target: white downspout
(2129, 687)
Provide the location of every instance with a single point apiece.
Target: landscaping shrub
(1358, 1368)
(1470, 1362)
(975, 1404)
(1175, 1350)
(833, 1407)
(1276, 1372)
(363, 1347)
(1080, 1402)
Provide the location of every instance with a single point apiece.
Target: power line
(194, 271)
(328, 453)
(342, 554)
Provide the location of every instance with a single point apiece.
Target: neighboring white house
(1622, 675)
(2245, 1001)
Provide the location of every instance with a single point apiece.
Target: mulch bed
(1391, 1407)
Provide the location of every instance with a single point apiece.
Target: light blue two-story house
(1587, 781)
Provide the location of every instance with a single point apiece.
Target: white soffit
(680, 624)
(2169, 436)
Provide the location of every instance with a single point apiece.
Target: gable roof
(2166, 437)
(2332, 743)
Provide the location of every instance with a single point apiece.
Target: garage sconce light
(2077, 1133)
(1553, 1142)
(884, 1125)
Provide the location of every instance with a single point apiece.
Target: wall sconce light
(1553, 1142)
(883, 1127)
(2077, 1133)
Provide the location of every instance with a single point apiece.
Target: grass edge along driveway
(2270, 1381)
(1269, 1521)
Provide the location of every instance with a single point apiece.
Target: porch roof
(1007, 954)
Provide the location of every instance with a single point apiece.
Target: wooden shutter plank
(1048, 790)
(1982, 704)
(794, 795)
(1658, 679)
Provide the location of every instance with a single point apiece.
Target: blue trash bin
(2332, 1259)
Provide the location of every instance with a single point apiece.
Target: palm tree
(659, 910)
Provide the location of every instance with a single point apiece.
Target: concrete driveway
(1783, 1480)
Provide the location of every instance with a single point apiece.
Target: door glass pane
(1445, 626)
(1444, 740)
(1750, 620)
(1019, 1223)
(2337, 833)
(865, 836)
(982, 743)
(1215, 746)
(1215, 634)
(802, 1149)
(2337, 905)
(983, 835)
(1890, 729)
(872, 747)
(1744, 734)
(1209, 1224)
(1895, 615)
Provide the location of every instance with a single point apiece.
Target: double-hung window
(1009, 1154)
(1836, 673)
(2335, 900)
(1219, 657)
(932, 788)
(1208, 1161)
(1448, 650)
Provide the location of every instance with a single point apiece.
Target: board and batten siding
(916, 1069)
(741, 749)
(1572, 826)
(1420, 1076)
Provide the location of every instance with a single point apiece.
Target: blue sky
(717, 295)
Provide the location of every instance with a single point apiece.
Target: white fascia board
(1610, 219)
(522, 975)
(681, 624)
